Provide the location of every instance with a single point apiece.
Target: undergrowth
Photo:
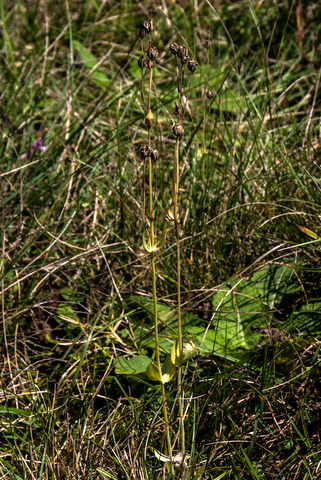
(75, 280)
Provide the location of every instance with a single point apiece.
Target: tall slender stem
(179, 317)
(153, 269)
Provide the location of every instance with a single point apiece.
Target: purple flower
(37, 145)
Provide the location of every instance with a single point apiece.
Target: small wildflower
(37, 145)
(145, 151)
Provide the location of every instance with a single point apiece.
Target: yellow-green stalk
(149, 152)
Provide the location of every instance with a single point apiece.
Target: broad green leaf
(15, 411)
(272, 282)
(237, 308)
(307, 319)
(132, 366)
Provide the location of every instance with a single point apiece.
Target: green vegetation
(232, 314)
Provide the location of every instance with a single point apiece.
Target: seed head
(145, 151)
(207, 44)
(178, 129)
(182, 51)
(192, 65)
(142, 63)
(174, 48)
(152, 53)
(185, 59)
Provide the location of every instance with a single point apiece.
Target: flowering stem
(149, 117)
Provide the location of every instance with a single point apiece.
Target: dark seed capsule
(207, 44)
(174, 48)
(142, 63)
(210, 94)
(182, 51)
(178, 129)
(142, 32)
(185, 60)
(152, 53)
(145, 151)
(192, 65)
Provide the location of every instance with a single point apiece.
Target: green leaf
(142, 314)
(168, 370)
(307, 319)
(71, 295)
(272, 282)
(286, 352)
(153, 373)
(15, 411)
(132, 366)
(90, 61)
(237, 308)
(106, 475)
(176, 354)
(65, 313)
